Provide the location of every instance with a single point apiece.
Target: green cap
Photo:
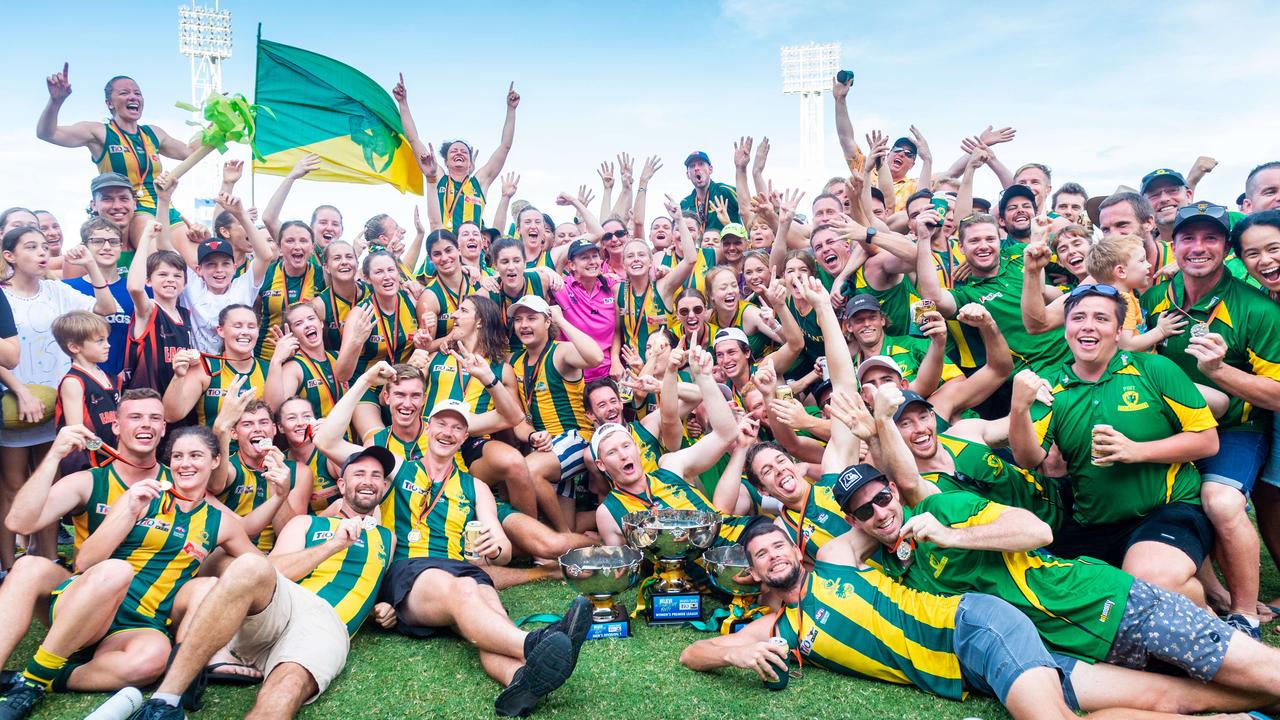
(734, 229)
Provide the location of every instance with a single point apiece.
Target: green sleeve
(960, 508)
(1182, 402)
(964, 294)
(1264, 339)
(1042, 419)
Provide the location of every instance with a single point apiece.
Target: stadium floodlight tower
(204, 37)
(807, 71)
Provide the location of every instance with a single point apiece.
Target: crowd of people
(999, 445)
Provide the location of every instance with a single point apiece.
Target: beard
(787, 581)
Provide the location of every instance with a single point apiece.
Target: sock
(166, 698)
(43, 668)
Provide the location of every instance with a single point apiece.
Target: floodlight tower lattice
(204, 37)
(807, 71)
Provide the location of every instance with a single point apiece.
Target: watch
(871, 234)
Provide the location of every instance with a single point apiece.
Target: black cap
(852, 480)
(1161, 174)
(579, 246)
(1240, 200)
(981, 205)
(1016, 190)
(377, 452)
(214, 246)
(109, 180)
(858, 303)
(1202, 212)
(909, 398)
(906, 142)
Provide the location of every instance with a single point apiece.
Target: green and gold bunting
(319, 105)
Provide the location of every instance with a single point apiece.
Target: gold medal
(1199, 330)
(413, 536)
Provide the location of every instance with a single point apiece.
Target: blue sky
(1101, 92)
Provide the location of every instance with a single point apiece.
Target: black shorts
(472, 449)
(1180, 525)
(403, 573)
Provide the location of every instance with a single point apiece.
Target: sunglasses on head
(1217, 212)
(620, 234)
(863, 512)
(1095, 289)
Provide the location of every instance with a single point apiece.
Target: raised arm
(711, 446)
(490, 170)
(626, 171)
(510, 183)
(926, 158)
(136, 282)
(40, 501)
(927, 280)
(104, 302)
(1036, 315)
(964, 198)
(962, 394)
(584, 213)
(606, 183)
(1023, 440)
(741, 158)
(844, 124)
(271, 215)
(581, 352)
(898, 462)
(786, 216)
(81, 134)
(330, 437)
(757, 166)
(671, 283)
(652, 164)
(264, 251)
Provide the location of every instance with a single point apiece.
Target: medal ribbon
(424, 510)
(390, 331)
(138, 167)
(314, 368)
(115, 456)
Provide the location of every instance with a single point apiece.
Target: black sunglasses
(1217, 212)
(1095, 289)
(611, 235)
(905, 151)
(863, 512)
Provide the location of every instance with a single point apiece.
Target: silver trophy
(670, 538)
(730, 571)
(600, 573)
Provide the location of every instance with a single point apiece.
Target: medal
(93, 443)
(413, 536)
(263, 443)
(368, 522)
(1200, 329)
(903, 551)
(165, 486)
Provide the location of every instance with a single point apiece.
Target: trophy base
(612, 629)
(673, 608)
(737, 625)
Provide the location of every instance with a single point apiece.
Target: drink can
(1093, 458)
(471, 537)
(783, 392)
(783, 675)
(920, 307)
(625, 393)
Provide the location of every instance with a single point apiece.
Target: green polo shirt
(1001, 295)
(895, 301)
(1076, 605)
(977, 469)
(706, 214)
(1246, 319)
(1143, 396)
(908, 352)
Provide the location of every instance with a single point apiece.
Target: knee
(145, 663)
(466, 590)
(1223, 504)
(249, 571)
(511, 464)
(109, 576)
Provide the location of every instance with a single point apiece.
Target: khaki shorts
(297, 627)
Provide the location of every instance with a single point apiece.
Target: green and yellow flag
(333, 110)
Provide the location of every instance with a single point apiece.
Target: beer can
(920, 307)
(625, 393)
(783, 392)
(470, 538)
(1093, 457)
(783, 675)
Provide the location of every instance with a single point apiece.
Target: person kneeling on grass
(431, 585)
(844, 618)
(291, 615)
(135, 578)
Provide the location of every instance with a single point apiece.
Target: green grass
(388, 676)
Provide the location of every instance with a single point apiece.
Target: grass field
(388, 676)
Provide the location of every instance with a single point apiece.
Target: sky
(1100, 92)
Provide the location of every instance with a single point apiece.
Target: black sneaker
(575, 623)
(547, 665)
(9, 680)
(157, 710)
(19, 701)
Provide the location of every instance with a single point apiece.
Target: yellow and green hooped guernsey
(348, 580)
(1145, 397)
(106, 488)
(862, 623)
(221, 377)
(553, 403)
(428, 517)
(978, 470)
(165, 549)
(137, 157)
(319, 105)
(1246, 319)
(1075, 604)
(821, 521)
(460, 202)
(248, 490)
(280, 290)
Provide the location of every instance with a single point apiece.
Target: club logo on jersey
(821, 616)
(102, 508)
(314, 383)
(1131, 401)
(115, 149)
(154, 524)
(195, 551)
(990, 296)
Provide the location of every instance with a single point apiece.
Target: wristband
(99, 287)
(491, 385)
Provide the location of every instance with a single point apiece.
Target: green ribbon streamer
(231, 119)
(538, 618)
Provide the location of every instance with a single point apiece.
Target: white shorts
(297, 627)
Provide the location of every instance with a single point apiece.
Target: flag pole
(253, 173)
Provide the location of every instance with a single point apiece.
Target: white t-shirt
(205, 306)
(41, 361)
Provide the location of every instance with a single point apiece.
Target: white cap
(453, 406)
(730, 333)
(534, 303)
(875, 361)
(603, 432)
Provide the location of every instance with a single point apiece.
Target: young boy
(161, 327)
(86, 395)
(104, 241)
(1121, 261)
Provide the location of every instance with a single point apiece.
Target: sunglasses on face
(1095, 289)
(692, 311)
(905, 151)
(611, 235)
(863, 512)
